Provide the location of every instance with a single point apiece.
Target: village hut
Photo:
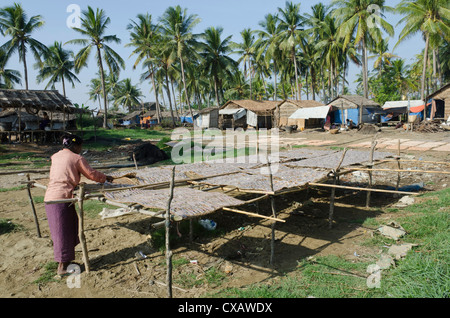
(23, 109)
(395, 110)
(132, 119)
(438, 103)
(148, 119)
(208, 118)
(348, 107)
(248, 113)
(186, 117)
(289, 107)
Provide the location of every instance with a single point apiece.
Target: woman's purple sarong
(63, 222)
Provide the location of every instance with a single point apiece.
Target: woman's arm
(91, 173)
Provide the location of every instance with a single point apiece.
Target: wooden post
(191, 231)
(134, 160)
(274, 215)
(398, 165)
(374, 143)
(333, 190)
(168, 251)
(81, 228)
(36, 221)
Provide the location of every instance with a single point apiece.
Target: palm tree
(330, 49)
(315, 21)
(400, 76)
(246, 50)
(431, 18)
(163, 60)
(216, 61)
(8, 77)
(268, 46)
(382, 56)
(93, 27)
(290, 23)
(178, 27)
(15, 23)
(356, 19)
(128, 95)
(95, 91)
(56, 67)
(145, 37)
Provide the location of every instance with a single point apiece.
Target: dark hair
(69, 140)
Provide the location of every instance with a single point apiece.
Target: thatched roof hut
(288, 107)
(259, 107)
(34, 101)
(352, 101)
(258, 114)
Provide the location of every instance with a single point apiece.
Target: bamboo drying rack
(333, 175)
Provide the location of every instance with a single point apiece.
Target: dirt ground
(241, 252)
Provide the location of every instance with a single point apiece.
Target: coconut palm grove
(296, 50)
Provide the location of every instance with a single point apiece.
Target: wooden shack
(439, 103)
(248, 113)
(350, 106)
(288, 107)
(208, 117)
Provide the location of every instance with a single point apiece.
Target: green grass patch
(423, 273)
(48, 275)
(321, 277)
(6, 226)
(18, 188)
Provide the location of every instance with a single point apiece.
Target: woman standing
(65, 173)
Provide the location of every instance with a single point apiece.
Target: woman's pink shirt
(65, 174)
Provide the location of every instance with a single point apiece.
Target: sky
(232, 15)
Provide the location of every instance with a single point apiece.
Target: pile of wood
(429, 126)
(368, 129)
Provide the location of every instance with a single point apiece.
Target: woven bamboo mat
(331, 160)
(186, 202)
(283, 177)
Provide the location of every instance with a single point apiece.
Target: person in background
(67, 166)
(44, 122)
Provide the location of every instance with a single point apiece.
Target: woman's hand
(109, 178)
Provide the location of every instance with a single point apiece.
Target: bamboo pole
(374, 144)
(81, 228)
(36, 221)
(333, 190)
(359, 189)
(395, 170)
(253, 214)
(167, 226)
(415, 160)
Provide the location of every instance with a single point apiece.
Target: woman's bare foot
(62, 268)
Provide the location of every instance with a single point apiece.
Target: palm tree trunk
(185, 91)
(275, 79)
(155, 89)
(434, 70)
(296, 75)
(25, 69)
(365, 80)
(175, 101)
(105, 98)
(216, 89)
(63, 85)
(424, 71)
(170, 100)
